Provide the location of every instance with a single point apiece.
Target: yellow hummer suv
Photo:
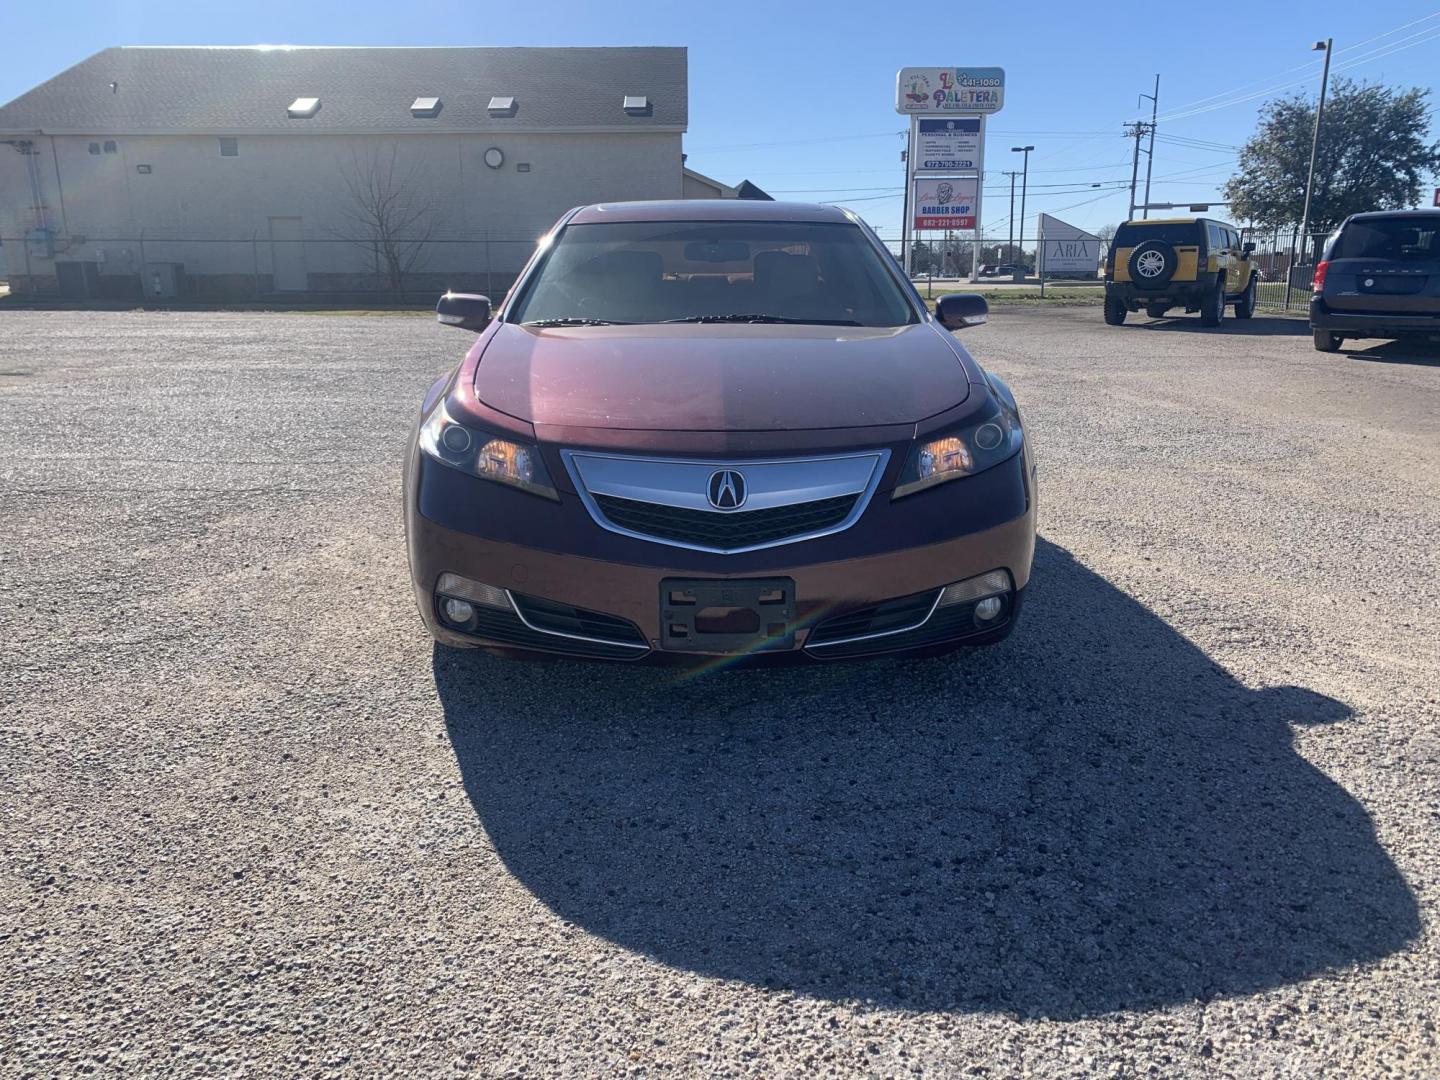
(1163, 263)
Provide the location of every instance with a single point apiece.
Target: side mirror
(959, 310)
(468, 311)
(1249, 247)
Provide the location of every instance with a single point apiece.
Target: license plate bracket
(727, 615)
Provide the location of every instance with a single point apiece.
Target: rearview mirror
(717, 251)
(1249, 247)
(960, 310)
(468, 311)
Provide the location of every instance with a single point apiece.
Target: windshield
(723, 271)
(1389, 238)
(1175, 233)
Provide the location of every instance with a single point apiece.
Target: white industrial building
(269, 172)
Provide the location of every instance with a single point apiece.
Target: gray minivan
(1379, 277)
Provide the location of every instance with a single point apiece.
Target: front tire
(1114, 311)
(1245, 306)
(1156, 311)
(1326, 341)
(1212, 308)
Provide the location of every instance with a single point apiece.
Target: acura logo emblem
(727, 489)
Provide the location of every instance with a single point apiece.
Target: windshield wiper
(573, 322)
(759, 318)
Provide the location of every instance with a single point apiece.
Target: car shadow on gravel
(1418, 353)
(1091, 816)
(1257, 326)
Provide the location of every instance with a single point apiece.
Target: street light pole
(1314, 148)
(1010, 244)
(1024, 186)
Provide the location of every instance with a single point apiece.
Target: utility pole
(1150, 154)
(1010, 246)
(905, 206)
(1135, 131)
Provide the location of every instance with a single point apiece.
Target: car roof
(1171, 221)
(1368, 215)
(709, 210)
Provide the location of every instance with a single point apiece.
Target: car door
(1220, 249)
(1245, 259)
(1238, 272)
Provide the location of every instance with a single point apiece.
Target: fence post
(255, 261)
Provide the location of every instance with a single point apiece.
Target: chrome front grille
(742, 529)
(669, 501)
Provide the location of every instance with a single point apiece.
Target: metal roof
(219, 90)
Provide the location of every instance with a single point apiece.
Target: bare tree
(1106, 233)
(390, 211)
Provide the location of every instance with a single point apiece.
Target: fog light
(456, 611)
(962, 592)
(477, 592)
(989, 608)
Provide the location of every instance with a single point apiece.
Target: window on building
(94, 148)
(229, 147)
(110, 147)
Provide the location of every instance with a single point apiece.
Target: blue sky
(799, 97)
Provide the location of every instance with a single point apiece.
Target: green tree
(1373, 153)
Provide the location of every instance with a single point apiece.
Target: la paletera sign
(974, 90)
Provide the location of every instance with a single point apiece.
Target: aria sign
(950, 90)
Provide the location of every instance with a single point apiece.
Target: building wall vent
(303, 108)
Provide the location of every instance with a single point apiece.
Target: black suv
(1379, 278)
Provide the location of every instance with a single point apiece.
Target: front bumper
(1372, 324)
(601, 576)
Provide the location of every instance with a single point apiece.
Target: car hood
(724, 377)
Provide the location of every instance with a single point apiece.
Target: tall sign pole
(979, 197)
(947, 109)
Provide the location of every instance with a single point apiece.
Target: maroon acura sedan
(718, 429)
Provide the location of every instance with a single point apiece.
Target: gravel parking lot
(1186, 822)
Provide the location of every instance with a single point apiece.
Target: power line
(1427, 35)
(1183, 109)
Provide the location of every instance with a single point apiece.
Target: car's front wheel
(1114, 310)
(1245, 306)
(1326, 341)
(1212, 306)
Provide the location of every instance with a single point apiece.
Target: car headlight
(994, 437)
(486, 456)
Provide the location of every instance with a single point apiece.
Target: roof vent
(424, 107)
(303, 108)
(502, 106)
(637, 105)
